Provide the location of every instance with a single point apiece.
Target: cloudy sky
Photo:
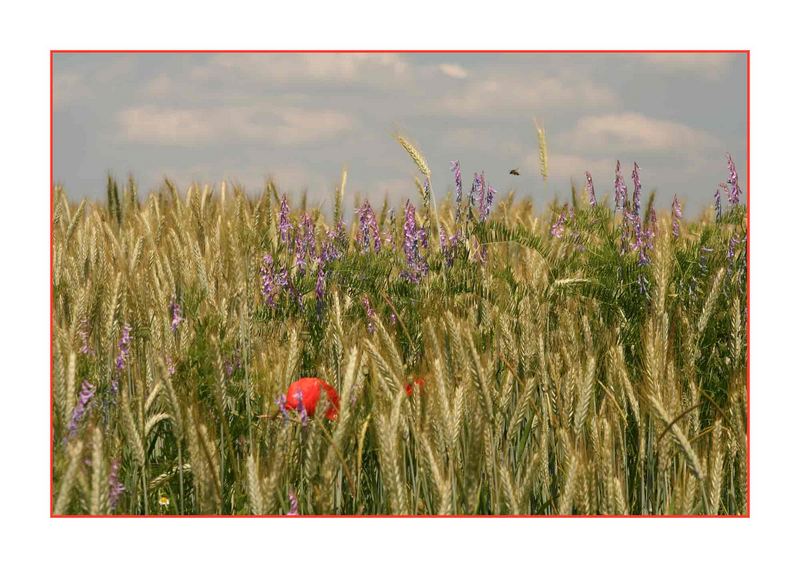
(300, 117)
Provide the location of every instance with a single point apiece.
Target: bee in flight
(514, 172)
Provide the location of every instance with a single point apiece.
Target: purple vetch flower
(368, 228)
(414, 239)
(620, 190)
(590, 190)
(284, 224)
(292, 505)
(320, 287)
(642, 245)
(557, 230)
(718, 202)
(481, 194)
(115, 487)
(449, 245)
(677, 215)
(631, 231)
(393, 318)
(455, 167)
(732, 247)
(177, 316)
(473, 197)
(370, 316)
(733, 181)
(490, 192)
(637, 188)
(301, 409)
(79, 411)
(483, 197)
(305, 243)
(281, 402)
(333, 244)
(124, 346)
(272, 280)
(83, 333)
(170, 365)
(649, 233)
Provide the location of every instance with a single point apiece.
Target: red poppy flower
(418, 382)
(309, 389)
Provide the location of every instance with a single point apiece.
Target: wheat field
(490, 357)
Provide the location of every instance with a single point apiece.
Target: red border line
(474, 51)
(50, 285)
(747, 249)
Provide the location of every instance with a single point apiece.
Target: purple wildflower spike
(284, 224)
(281, 402)
(490, 192)
(115, 487)
(370, 316)
(631, 231)
(449, 246)
(320, 287)
(292, 505)
(301, 409)
(83, 333)
(718, 202)
(414, 239)
(368, 228)
(733, 181)
(455, 167)
(332, 245)
(590, 190)
(84, 398)
(305, 243)
(620, 190)
(170, 366)
(732, 247)
(677, 215)
(272, 280)
(177, 317)
(557, 230)
(637, 188)
(268, 280)
(481, 196)
(124, 346)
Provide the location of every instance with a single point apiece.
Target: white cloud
(306, 67)
(634, 132)
(453, 70)
(159, 86)
(68, 88)
(514, 95)
(288, 126)
(712, 65)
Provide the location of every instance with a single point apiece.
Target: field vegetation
(588, 357)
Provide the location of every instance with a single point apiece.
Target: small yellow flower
(163, 501)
